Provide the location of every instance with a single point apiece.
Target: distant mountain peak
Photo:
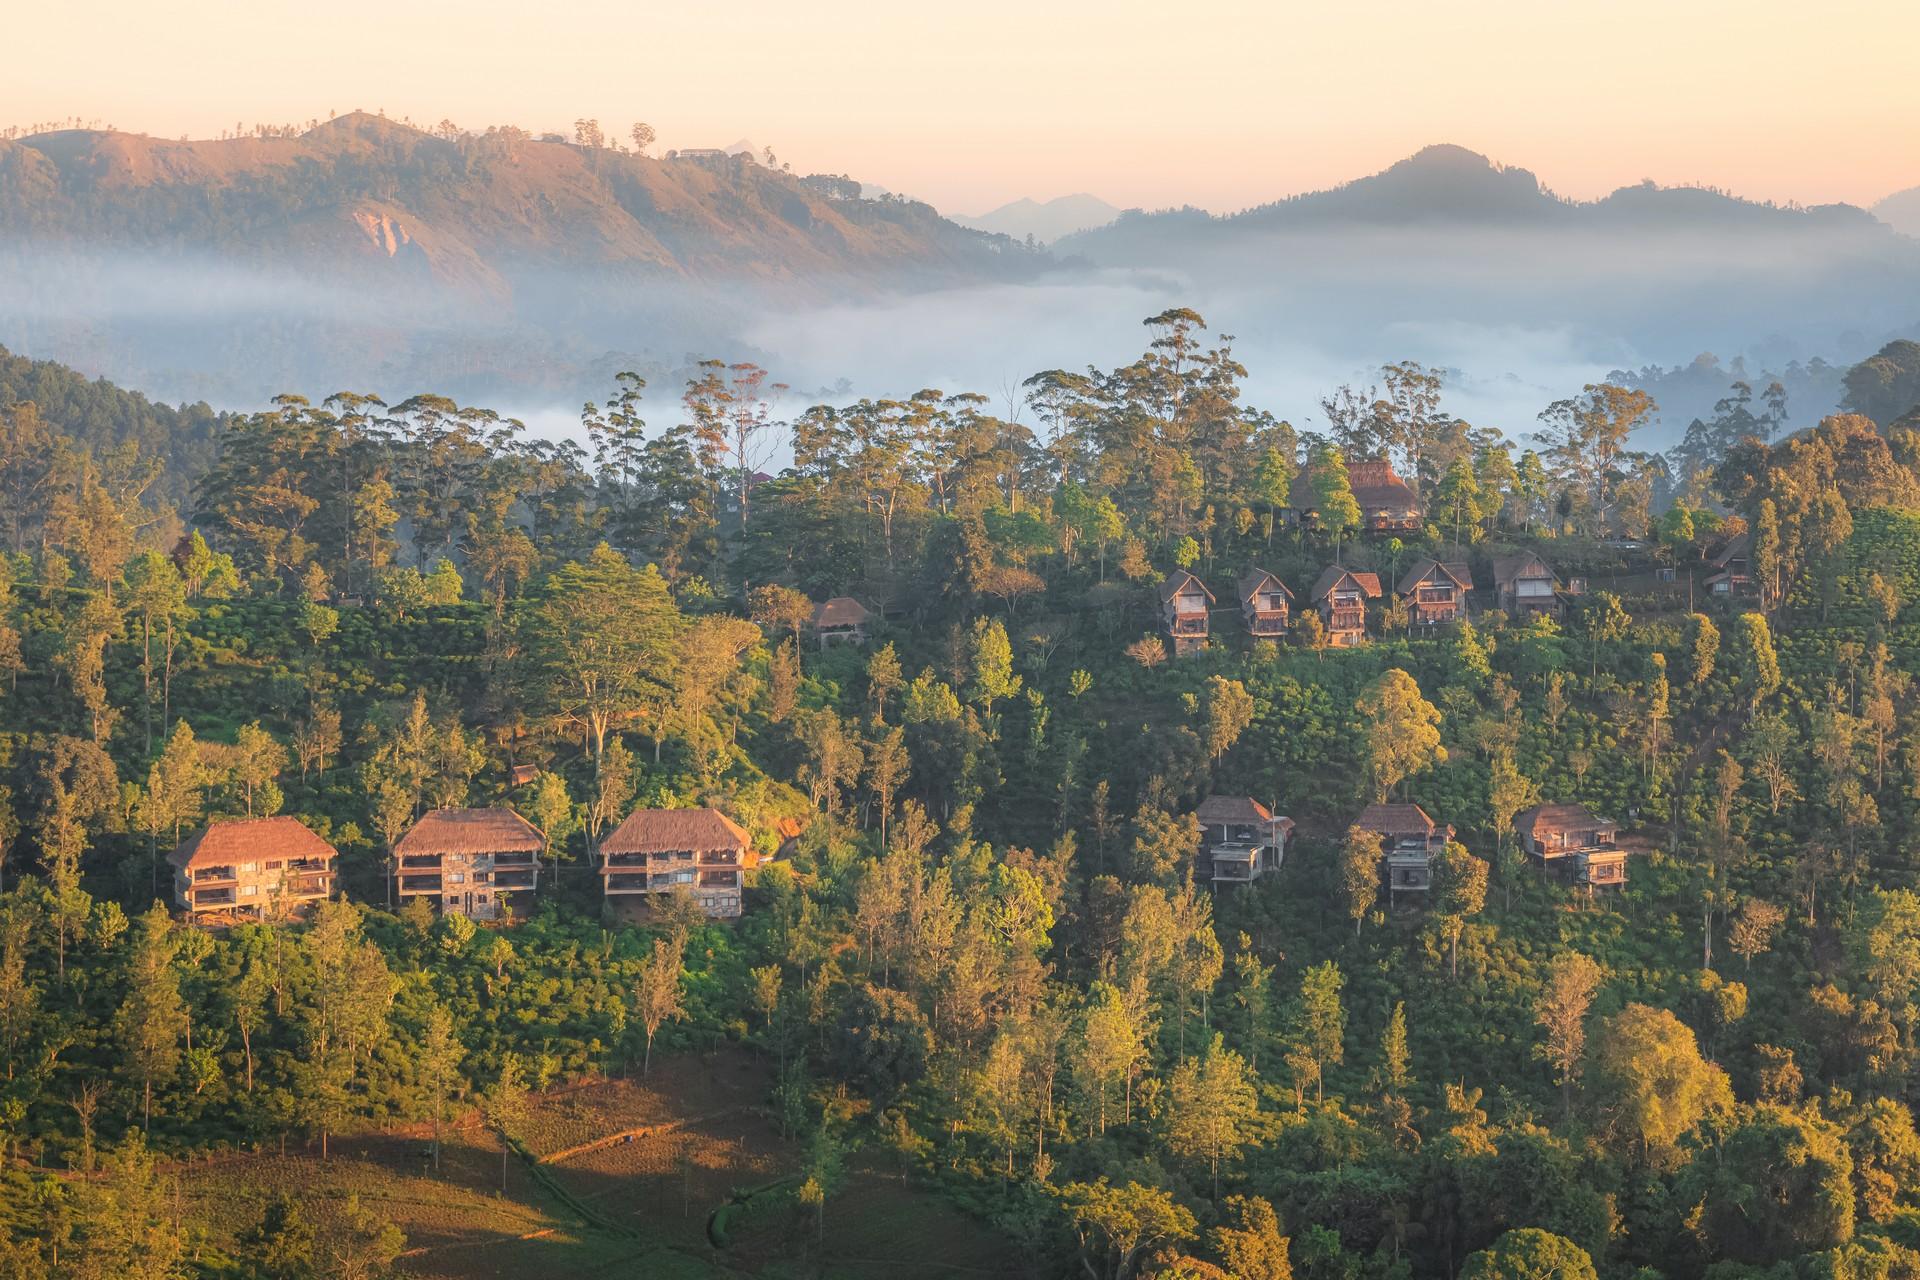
(1045, 220)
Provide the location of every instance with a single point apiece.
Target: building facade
(1266, 604)
(1341, 597)
(1240, 839)
(251, 868)
(661, 850)
(479, 863)
(1184, 605)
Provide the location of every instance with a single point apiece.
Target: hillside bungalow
(1435, 592)
(1570, 840)
(1387, 503)
(470, 862)
(1240, 839)
(1266, 602)
(659, 850)
(841, 620)
(1409, 839)
(1732, 568)
(1341, 596)
(1525, 585)
(253, 867)
(1184, 601)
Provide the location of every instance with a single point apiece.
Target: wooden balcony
(1268, 624)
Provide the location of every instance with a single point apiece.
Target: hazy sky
(973, 102)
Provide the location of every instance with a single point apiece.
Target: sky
(968, 105)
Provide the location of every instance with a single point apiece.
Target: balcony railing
(1268, 624)
(214, 875)
(519, 858)
(213, 898)
(719, 879)
(427, 860)
(513, 879)
(1347, 619)
(420, 884)
(1184, 626)
(637, 860)
(305, 887)
(628, 884)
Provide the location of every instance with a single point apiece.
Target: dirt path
(630, 1135)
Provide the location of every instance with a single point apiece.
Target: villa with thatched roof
(470, 862)
(660, 850)
(255, 867)
(1388, 504)
(841, 620)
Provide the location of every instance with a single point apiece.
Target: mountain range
(1044, 220)
(1901, 211)
(526, 271)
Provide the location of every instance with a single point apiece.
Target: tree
(1213, 1108)
(1772, 1185)
(643, 137)
(1585, 437)
(1529, 1253)
(1229, 712)
(1560, 1010)
(992, 662)
(153, 1020)
(1649, 1084)
(1115, 1225)
(504, 1105)
(608, 638)
(1756, 668)
(1250, 1243)
(1704, 648)
(1319, 1023)
(1359, 874)
(1334, 505)
(657, 993)
(1400, 731)
(1459, 891)
(1753, 928)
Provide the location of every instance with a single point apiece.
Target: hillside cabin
(841, 620)
(1732, 568)
(1435, 592)
(1388, 504)
(1184, 602)
(1524, 585)
(1341, 597)
(660, 850)
(1266, 603)
(1570, 840)
(1240, 839)
(478, 863)
(253, 868)
(1409, 839)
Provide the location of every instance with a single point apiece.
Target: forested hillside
(987, 969)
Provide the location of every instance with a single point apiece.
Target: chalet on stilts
(1266, 604)
(1525, 585)
(1184, 602)
(1240, 839)
(1409, 840)
(1435, 592)
(1570, 841)
(1341, 596)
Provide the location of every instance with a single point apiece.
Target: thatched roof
(446, 831)
(672, 830)
(1374, 484)
(250, 840)
(1431, 569)
(1369, 583)
(841, 611)
(1232, 810)
(1395, 820)
(1261, 582)
(1556, 817)
(1180, 582)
